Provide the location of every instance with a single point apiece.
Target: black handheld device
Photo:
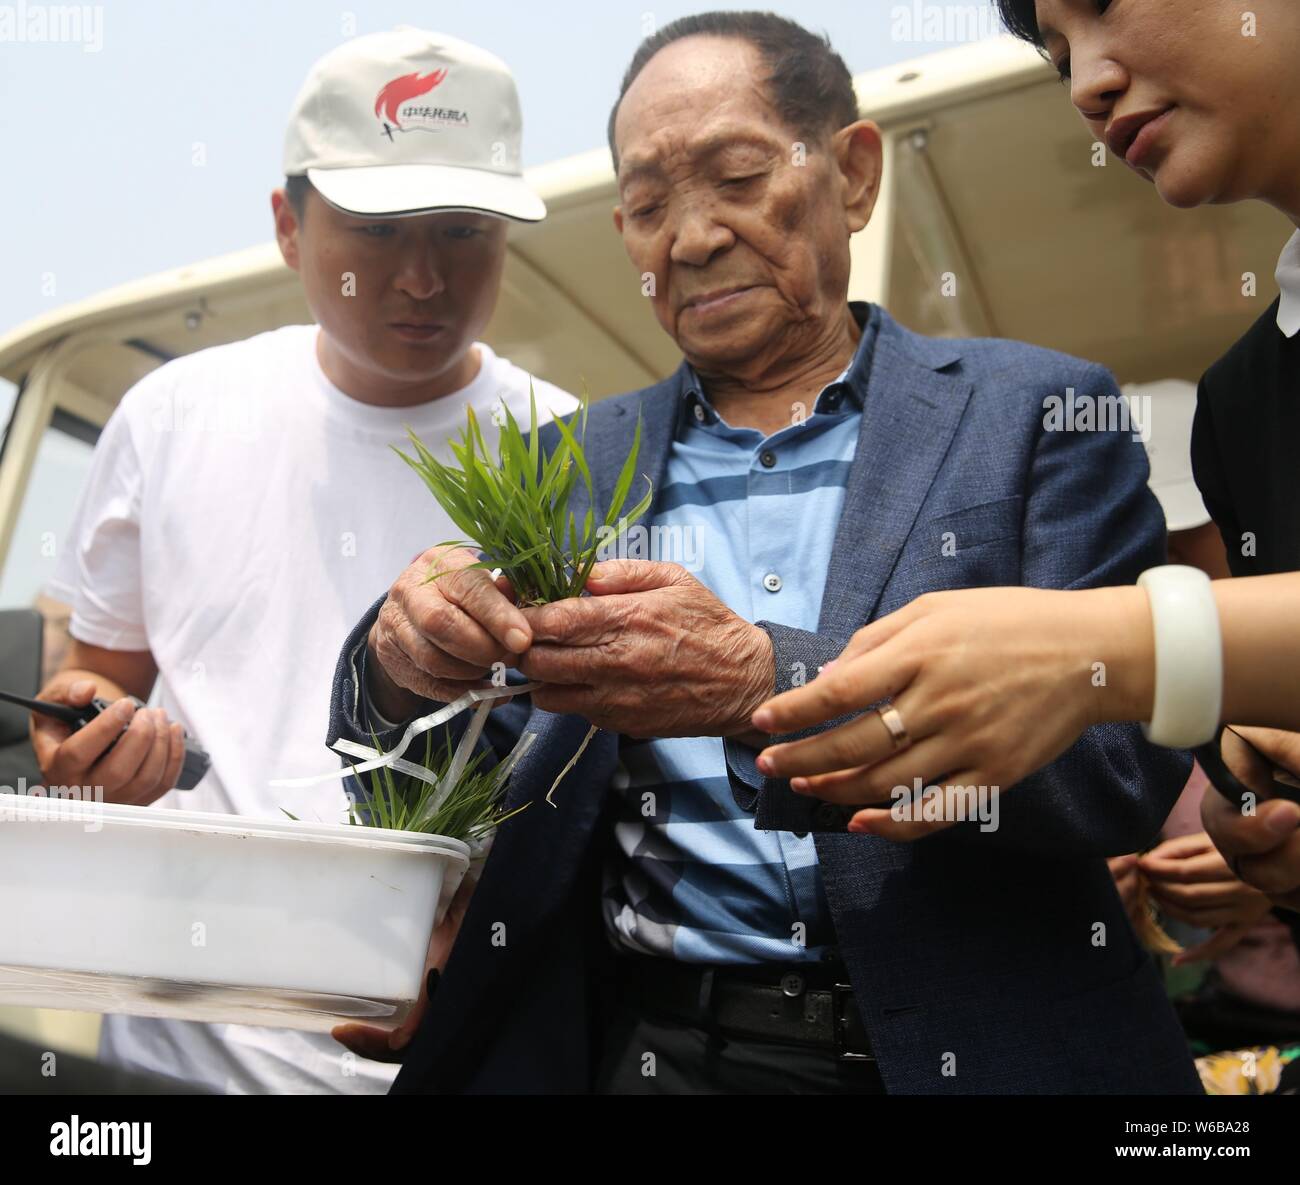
(1284, 784)
(193, 768)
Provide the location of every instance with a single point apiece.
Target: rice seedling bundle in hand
(516, 507)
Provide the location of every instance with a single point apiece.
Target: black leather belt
(807, 1004)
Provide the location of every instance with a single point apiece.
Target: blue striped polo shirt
(753, 518)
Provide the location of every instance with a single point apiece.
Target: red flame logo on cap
(409, 86)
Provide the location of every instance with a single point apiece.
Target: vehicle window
(60, 470)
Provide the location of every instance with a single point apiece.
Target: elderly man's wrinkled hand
(650, 653)
(441, 630)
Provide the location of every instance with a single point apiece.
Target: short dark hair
(1021, 20)
(810, 84)
(296, 189)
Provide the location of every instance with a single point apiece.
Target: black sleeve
(1210, 472)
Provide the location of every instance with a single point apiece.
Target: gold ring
(892, 721)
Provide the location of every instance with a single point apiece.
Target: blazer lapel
(911, 410)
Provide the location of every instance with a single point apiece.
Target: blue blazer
(982, 963)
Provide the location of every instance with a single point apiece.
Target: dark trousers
(650, 1054)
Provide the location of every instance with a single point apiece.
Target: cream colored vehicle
(997, 218)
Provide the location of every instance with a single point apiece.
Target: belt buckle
(841, 992)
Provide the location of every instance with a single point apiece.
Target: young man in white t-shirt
(244, 500)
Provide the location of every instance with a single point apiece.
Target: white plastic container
(214, 917)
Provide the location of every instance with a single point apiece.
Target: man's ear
(618, 219)
(286, 227)
(860, 157)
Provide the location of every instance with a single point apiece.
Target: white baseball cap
(410, 121)
(1171, 404)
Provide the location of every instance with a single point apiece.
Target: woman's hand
(1192, 882)
(389, 1045)
(1262, 848)
(990, 684)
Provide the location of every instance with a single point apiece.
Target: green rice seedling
(515, 506)
(468, 808)
(451, 792)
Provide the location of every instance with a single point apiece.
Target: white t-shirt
(241, 514)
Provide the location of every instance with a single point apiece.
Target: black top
(1246, 458)
(1246, 449)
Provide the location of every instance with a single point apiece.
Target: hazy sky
(99, 136)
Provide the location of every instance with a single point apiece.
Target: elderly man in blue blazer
(676, 922)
